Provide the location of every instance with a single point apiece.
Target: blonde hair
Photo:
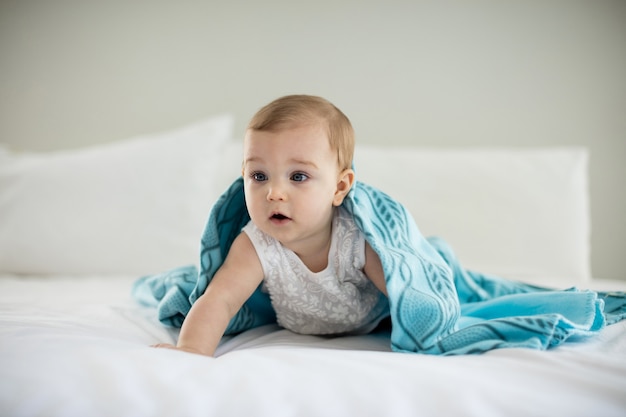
(296, 110)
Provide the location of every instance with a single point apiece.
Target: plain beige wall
(484, 73)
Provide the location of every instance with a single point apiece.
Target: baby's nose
(276, 192)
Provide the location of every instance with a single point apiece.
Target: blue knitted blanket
(436, 306)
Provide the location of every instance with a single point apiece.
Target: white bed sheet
(78, 346)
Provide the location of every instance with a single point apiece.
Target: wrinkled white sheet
(78, 346)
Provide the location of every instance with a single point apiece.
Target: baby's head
(302, 110)
(296, 168)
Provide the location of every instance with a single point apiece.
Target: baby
(321, 274)
(334, 257)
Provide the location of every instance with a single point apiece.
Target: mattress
(78, 227)
(80, 346)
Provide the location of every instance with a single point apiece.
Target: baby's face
(290, 182)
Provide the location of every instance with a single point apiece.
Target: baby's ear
(345, 180)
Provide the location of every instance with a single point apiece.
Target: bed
(79, 227)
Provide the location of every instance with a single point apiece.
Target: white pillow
(518, 213)
(131, 207)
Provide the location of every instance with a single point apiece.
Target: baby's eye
(299, 177)
(258, 176)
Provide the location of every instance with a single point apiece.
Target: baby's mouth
(279, 217)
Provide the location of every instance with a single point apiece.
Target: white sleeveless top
(338, 300)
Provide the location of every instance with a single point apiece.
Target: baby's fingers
(163, 345)
(181, 348)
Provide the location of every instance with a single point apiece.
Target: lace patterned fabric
(338, 300)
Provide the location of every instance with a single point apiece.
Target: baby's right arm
(231, 286)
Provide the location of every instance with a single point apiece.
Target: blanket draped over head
(436, 306)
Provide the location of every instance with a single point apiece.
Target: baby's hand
(181, 348)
